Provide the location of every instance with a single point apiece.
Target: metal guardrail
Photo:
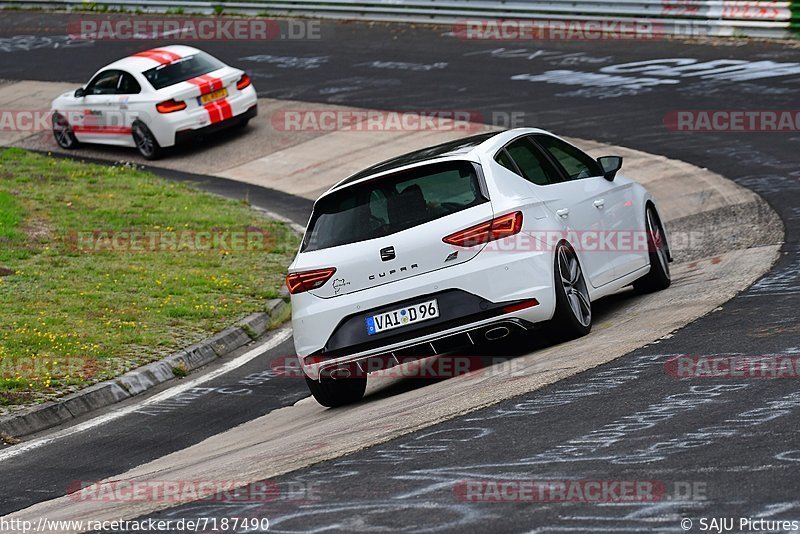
(754, 18)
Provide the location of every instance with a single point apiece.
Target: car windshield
(393, 203)
(182, 69)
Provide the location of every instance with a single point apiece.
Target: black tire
(145, 141)
(573, 315)
(333, 393)
(63, 134)
(659, 276)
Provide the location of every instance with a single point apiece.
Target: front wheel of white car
(573, 315)
(335, 393)
(659, 277)
(62, 132)
(145, 141)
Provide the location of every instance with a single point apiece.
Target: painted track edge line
(139, 380)
(275, 339)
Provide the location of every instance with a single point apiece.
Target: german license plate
(213, 95)
(401, 317)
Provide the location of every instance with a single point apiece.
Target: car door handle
(599, 203)
(564, 212)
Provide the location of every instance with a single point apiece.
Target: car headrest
(407, 206)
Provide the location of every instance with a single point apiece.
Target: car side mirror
(80, 92)
(610, 165)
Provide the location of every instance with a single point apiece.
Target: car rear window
(182, 69)
(393, 203)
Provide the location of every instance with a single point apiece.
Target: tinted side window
(128, 85)
(104, 83)
(534, 166)
(504, 159)
(576, 163)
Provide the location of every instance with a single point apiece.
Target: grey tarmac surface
(250, 391)
(716, 448)
(737, 442)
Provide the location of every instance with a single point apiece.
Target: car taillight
(497, 228)
(243, 82)
(170, 106)
(511, 308)
(308, 280)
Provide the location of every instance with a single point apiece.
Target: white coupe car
(153, 100)
(465, 242)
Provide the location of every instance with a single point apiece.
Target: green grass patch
(11, 238)
(79, 307)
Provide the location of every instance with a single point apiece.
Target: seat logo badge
(387, 254)
(451, 257)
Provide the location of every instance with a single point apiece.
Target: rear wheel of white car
(659, 277)
(573, 315)
(145, 141)
(333, 393)
(63, 133)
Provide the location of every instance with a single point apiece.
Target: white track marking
(276, 339)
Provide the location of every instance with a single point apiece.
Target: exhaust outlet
(494, 334)
(339, 373)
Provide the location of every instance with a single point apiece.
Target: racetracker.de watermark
(80, 120)
(420, 366)
(170, 240)
(25, 120)
(581, 240)
(734, 366)
(370, 121)
(182, 491)
(733, 121)
(588, 491)
(134, 28)
(591, 241)
(565, 30)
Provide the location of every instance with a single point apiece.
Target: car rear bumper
(333, 330)
(457, 308)
(360, 365)
(182, 126)
(493, 277)
(185, 136)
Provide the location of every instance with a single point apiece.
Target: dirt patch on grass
(38, 230)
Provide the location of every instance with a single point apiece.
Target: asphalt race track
(733, 442)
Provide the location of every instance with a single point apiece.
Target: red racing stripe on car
(160, 55)
(206, 83)
(214, 114)
(219, 111)
(119, 130)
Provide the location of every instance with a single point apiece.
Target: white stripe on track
(278, 337)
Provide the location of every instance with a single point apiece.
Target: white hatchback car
(465, 242)
(153, 100)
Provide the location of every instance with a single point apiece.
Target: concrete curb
(141, 379)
